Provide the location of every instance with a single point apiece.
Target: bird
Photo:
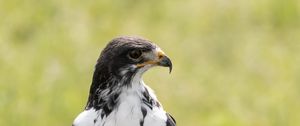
(118, 95)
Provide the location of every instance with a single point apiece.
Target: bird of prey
(118, 96)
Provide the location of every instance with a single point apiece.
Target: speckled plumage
(118, 96)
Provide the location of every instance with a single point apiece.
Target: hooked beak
(157, 58)
(165, 62)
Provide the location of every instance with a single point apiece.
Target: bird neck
(106, 88)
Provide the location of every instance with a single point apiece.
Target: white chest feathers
(130, 111)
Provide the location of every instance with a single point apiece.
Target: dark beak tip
(170, 67)
(166, 62)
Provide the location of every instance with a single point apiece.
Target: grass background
(236, 62)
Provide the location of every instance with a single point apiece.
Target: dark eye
(135, 54)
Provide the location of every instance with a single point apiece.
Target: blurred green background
(236, 62)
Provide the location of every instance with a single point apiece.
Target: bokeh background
(236, 62)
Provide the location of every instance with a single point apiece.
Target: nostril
(160, 56)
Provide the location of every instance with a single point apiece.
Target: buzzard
(118, 96)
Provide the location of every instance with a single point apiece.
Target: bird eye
(135, 54)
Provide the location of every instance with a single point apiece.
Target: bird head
(129, 56)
